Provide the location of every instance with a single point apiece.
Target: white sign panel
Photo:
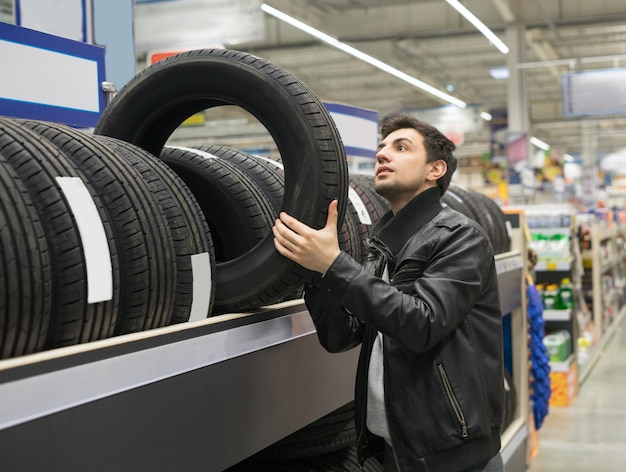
(194, 24)
(65, 18)
(599, 92)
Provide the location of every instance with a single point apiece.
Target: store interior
(537, 112)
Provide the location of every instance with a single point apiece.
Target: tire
(378, 205)
(485, 212)
(191, 237)
(237, 212)
(152, 105)
(455, 200)
(367, 208)
(343, 460)
(81, 311)
(498, 221)
(332, 432)
(146, 253)
(266, 176)
(25, 271)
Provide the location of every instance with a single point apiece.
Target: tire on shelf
(81, 312)
(238, 214)
(193, 245)
(155, 102)
(370, 203)
(332, 432)
(488, 214)
(499, 222)
(141, 233)
(25, 271)
(380, 205)
(265, 175)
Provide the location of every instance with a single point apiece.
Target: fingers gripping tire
(152, 105)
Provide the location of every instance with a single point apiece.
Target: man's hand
(312, 249)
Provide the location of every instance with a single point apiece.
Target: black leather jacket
(442, 326)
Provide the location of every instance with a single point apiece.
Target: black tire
(74, 318)
(485, 212)
(25, 272)
(190, 233)
(498, 221)
(330, 433)
(455, 200)
(146, 254)
(238, 214)
(379, 205)
(343, 460)
(152, 105)
(265, 175)
(367, 208)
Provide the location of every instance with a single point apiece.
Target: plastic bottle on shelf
(551, 297)
(566, 293)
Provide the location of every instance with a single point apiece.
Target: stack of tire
(101, 237)
(483, 210)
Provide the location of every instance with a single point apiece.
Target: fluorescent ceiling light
(499, 73)
(479, 25)
(539, 143)
(486, 116)
(361, 55)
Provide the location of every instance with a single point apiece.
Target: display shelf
(595, 352)
(557, 315)
(211, 392)
(554, 264)
(604, 272)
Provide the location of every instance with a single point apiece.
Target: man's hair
(436, 144)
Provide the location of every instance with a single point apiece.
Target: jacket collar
(395, 230)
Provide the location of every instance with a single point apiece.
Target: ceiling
(429, 40)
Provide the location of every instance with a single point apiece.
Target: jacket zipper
(359, 441)
(453, 401)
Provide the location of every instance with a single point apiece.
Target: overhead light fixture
(361, 55)
(486, 116)
(499, 73)
(539, 143)
(479, 25)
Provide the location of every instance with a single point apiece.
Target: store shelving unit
(605, 265)
(554, 239)
(197, 396)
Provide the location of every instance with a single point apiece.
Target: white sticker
(271, 161)
(93, 237)
(201, 270)
(199, 152)
(359, 206)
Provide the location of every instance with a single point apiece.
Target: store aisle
(590, 434)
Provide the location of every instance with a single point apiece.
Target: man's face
(401, 168)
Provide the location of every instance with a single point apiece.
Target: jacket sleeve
(431, 293)
(337, 329)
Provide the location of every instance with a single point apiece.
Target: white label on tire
(93, 237)
(359, 206)
(201, 270)
(271, 161)
(199, 152)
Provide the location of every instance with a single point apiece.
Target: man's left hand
(312, 249)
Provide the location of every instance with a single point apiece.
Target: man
(429, 388)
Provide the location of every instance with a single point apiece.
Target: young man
(429, 389)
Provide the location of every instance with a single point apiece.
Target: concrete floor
(589, 435)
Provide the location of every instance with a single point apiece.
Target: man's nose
(381, 155)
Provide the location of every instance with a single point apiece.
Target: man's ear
(437, 169)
